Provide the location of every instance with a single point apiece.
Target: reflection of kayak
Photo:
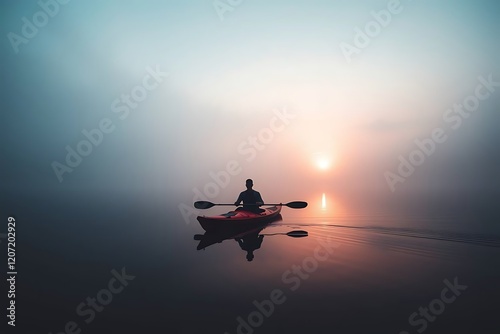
(211, 238)
(238, 219)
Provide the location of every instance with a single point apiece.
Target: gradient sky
(227, 77)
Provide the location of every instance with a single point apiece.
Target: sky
(271, 70)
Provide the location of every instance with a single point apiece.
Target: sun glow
(323, 201)
(322, 161)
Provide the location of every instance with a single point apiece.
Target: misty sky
(228, 79)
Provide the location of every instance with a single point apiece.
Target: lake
(124, 264)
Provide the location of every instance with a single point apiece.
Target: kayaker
(251, 198)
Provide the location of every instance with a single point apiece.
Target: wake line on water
(468, 238)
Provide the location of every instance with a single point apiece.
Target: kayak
(238, 219)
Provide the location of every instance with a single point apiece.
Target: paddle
(208, 205)
(293, 234)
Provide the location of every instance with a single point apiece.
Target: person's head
(249, 183)
(250, 256)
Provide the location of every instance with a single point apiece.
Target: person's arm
(238, 201)
(259, 201)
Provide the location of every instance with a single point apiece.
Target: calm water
(353, 273)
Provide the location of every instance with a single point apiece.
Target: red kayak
(238, 219)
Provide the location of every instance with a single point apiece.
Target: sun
(322, 161)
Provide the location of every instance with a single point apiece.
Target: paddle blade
(203, 205)
(296, 205)
(297, 234)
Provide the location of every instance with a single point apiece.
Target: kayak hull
(239, 219)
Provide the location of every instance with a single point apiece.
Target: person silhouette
(250, 243)
(251, 199)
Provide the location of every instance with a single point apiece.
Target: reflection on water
(249, 243)
(421, 241)
(249, 238)
(323, 204)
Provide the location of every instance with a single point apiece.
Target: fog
(267, 90)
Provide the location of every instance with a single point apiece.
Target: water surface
(357, 273)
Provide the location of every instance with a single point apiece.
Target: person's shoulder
(256, 192)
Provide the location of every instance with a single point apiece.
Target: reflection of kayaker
(211, 238)
(249, 239)
(251, 198)
(249, 243)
